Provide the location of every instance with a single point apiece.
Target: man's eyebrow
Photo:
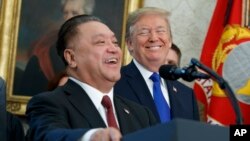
(142, 28)
(160, 27)
(98, 35)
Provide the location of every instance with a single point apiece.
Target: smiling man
(85, 108)
(148, 38)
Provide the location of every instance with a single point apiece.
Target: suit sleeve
(15, 130)
(47, 121)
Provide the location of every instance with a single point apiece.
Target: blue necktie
(160, 102)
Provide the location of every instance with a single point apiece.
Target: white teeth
(111, 60)
(154, 47)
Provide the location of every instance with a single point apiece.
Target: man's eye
(116, 43)
(161, 31)
(143, 32)
(100, 42)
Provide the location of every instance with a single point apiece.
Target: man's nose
(113, 47)
(153, 36)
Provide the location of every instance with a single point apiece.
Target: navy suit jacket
(67, 113)
(132, 86)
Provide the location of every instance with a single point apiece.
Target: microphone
(172, 72)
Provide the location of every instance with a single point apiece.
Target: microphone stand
(225, 86)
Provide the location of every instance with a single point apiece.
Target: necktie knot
(106, 102)
(155, 77)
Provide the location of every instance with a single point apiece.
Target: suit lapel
(80, 100)
(141, 89)
(173, 96)
(123, 115)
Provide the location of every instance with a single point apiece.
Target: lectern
(180, 130)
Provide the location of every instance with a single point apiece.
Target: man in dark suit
(76, 111)
(148, 38)
(11, 127)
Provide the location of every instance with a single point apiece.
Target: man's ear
(129, 45)
(69, 56)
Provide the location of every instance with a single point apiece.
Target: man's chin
(115, 78)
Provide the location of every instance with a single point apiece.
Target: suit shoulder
(124, 69)
(181, 85)
(128, 68)
(48, 95)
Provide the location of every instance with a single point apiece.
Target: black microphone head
(168, 72)
(189, 73)
(195, 62)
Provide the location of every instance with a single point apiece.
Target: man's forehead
(95, 29)
(92, 25)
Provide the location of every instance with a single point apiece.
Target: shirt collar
(144, 72)
(94, 94)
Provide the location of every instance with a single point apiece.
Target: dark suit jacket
(15, 131)
(132, 86)
(11, 128)
(67, 113)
